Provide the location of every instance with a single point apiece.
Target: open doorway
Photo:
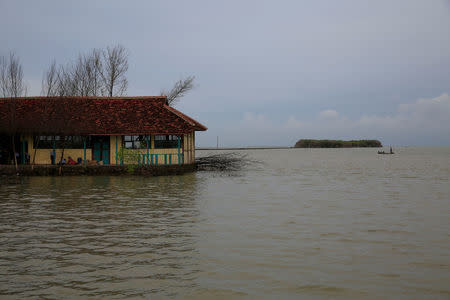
(101, 149)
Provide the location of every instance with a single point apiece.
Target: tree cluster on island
(309, 143)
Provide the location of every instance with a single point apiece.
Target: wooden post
(147, 146)
(23, 150)
(54, 146)
(84, 149)
(116, 149)
(179, 147)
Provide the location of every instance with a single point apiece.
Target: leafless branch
(224, 162)
(12, 86)
(11, 77)
(115, 65)
(49, 81)
(180, 89)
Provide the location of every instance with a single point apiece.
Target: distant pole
(217, 142)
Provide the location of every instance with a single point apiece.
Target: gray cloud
(273, 58)
(414, 123)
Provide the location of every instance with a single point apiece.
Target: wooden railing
(159, 159)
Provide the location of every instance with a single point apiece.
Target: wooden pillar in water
(179, 148)
(148, 141)
(23, 150)
(116, 149)
(54, 148)
(84, 150)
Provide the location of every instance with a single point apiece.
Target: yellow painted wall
(131, 159)
(43, 155)
(112, 147)
(188, 149)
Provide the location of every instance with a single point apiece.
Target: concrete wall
(49, 170)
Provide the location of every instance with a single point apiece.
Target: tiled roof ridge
(159, 98)
(100, 115)
(185, 118)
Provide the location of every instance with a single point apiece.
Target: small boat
(390, 152)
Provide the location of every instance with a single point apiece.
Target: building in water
(96, 130)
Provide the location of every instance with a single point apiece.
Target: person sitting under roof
(70, 161)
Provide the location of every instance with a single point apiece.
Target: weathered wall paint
(187, 150)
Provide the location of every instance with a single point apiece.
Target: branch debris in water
(223, 162)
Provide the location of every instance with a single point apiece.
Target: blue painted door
(100, 149)
(97, 151)
(105, 152)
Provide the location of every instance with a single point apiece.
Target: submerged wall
(49, 170)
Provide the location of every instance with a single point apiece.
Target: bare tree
(50, 81)
(115, 65)
(180, 88)
(95, 70)
(86, 74)
(100, 72)
(12, 86)
(11, 77)
(4, 82)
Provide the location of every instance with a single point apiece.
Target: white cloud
(423, 116)
(328, 114)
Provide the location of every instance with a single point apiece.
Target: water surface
(311, 223)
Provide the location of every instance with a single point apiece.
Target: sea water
(295, 223)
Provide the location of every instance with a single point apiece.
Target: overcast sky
(267, 72)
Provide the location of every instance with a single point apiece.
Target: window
(58, 142)
(166, 141)
(136, 141)
(45, 142)
(76, 142)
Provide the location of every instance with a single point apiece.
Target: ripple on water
(340, 224)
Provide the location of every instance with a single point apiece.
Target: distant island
(337, 144)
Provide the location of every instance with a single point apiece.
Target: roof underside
(93, 116)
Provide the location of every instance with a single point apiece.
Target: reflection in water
(97, 236)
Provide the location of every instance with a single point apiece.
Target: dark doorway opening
(7, 152)
(5, 149)
(100, 149)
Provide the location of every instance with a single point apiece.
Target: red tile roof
(93, 116)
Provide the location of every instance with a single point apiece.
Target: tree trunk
(34, 152)
(62, 156)
(13, 143)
